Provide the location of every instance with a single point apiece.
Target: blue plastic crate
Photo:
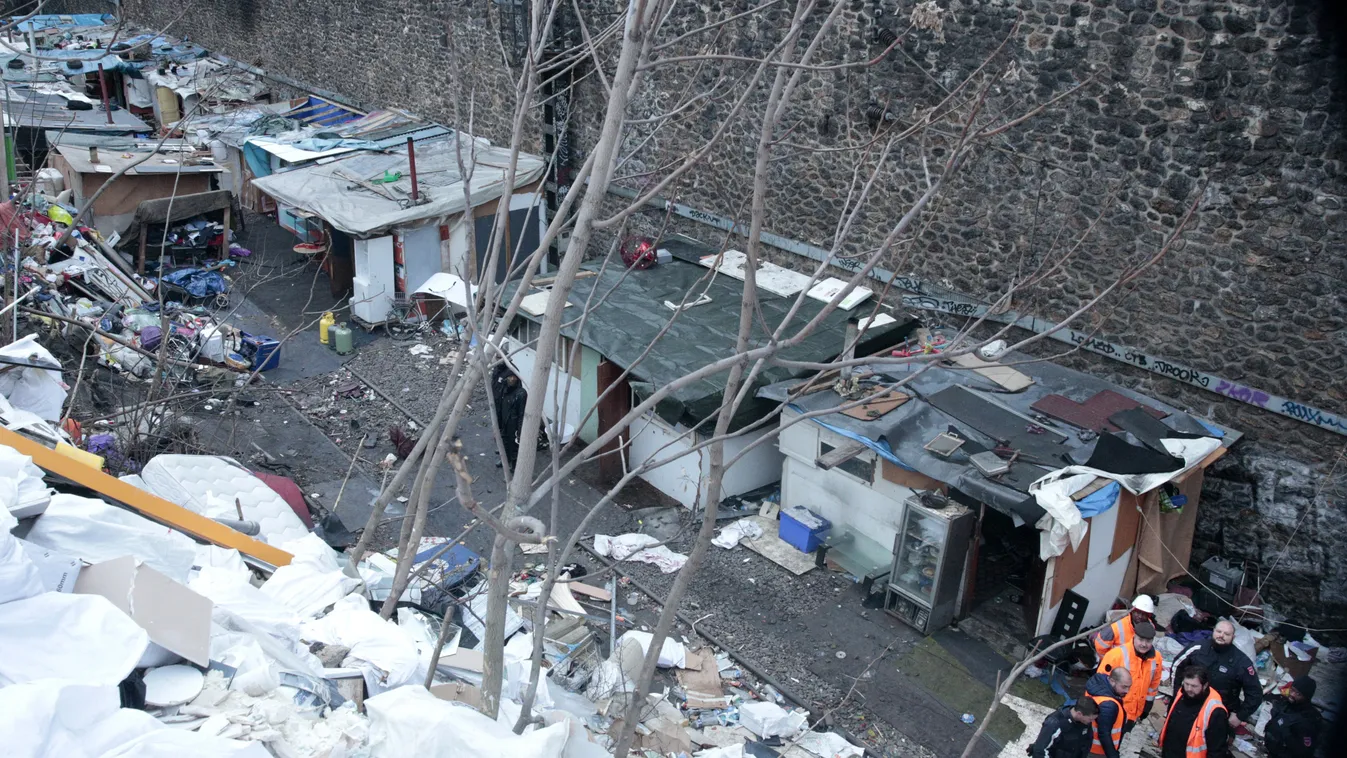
(803, 529)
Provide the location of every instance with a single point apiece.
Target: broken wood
(597, 593)
(838, 456)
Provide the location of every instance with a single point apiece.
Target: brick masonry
(1240, 102)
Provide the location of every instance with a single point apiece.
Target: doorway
(1008, 576)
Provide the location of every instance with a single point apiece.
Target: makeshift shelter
(945, 443)
(399, 236)
(630, 326)
(150, 174)
(152, 215)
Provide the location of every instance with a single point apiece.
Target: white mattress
(209, 485)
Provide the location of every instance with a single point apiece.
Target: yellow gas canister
(324, 324)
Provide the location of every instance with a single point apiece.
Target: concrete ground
(882, 681)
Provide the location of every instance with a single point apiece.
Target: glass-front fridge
(929, 554)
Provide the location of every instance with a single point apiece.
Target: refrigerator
(929, 555)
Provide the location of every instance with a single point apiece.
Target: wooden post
(611, 410)
(224, 246)
(140, 251)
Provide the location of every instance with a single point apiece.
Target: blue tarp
(259, 160)
(55, 21)
(89, 60)
(196, 282)
(1097, 502)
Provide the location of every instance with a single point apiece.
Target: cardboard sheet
(700, 677)
(176, 618)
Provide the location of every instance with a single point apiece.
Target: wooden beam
(150, 506)
(840, 455)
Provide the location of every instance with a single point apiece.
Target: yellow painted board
(148, 505)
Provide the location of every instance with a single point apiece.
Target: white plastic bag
(40, 391)
(770, 720)
(312, 581)
(19, 578)
(518, 665)
(22, 491)
(672, 654)
(81, 638)
(95, 532)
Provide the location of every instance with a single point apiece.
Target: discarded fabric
(636, 547)
(730, 536)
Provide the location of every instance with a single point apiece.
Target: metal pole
(103, 86)
(411, 162)
(612, 615)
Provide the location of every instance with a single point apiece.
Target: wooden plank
(840, 455)
(598, 593)
(1099, 483)
(151, 506)
(911, 479)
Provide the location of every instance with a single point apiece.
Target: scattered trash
(967, 718)
(730, 536)
(636, 547)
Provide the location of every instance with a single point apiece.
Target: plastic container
(265, 351)
(803, 529)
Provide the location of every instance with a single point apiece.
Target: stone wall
(1238, 105)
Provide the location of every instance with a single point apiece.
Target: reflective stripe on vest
(1097, 747)
(1121, 636)
(1197, 736)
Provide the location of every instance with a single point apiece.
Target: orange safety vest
(1145, 677)
(1197, 738)
(1122, 636)
(1097, 747)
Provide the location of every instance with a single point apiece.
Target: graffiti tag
(1240, 392)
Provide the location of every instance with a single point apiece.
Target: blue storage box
(264, 351)
(803, 529)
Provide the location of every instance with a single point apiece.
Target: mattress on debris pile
(210, 485)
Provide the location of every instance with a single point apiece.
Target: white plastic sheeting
(328, 190)
(312, 580)
(95, 532)
(80, 638)
(730, 536)
(22, 491)
(54, 719)
(672, 654)
(771, 720)
(19, 577)
(411, 721)
(36, 390)
(385, 652)
(1062, 524)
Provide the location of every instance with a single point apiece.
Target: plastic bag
(19, 578)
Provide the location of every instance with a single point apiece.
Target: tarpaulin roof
(902, 434)
(344, 193)
(48, 21)
(628, 315)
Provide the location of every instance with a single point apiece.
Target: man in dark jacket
(1231, 672)
(1196, 724)
(1107, 691)
(1293, 731)
(1066, 733)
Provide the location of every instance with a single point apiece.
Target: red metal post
(103, 85)
(411, 162)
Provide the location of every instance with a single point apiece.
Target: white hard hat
(1144, 604)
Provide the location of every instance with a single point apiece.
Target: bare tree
(758, 95)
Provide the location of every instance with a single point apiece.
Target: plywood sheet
(911, 479)
(1093, 413)
(879, 406)
(1129, 522)
(1005, 376)
(769, 276)
(1070, 568)
(778, 551)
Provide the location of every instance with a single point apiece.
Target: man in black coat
(1066, 733)
(1187, 718)
(1231, 672)
(1293, 731)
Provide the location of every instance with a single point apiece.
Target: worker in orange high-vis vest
(1107, 691)
(1119, 633)
(1196, 725)
(1145, 664)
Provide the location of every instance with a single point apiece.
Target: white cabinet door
(373, 286)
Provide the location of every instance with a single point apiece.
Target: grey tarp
(630, 313)
(341, 193)
(904, 432)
